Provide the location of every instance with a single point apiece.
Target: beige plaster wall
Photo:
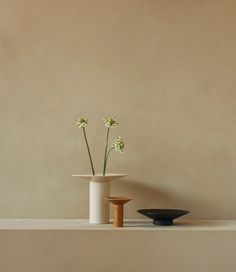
(166, 69)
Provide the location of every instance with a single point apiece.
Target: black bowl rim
(153, 211)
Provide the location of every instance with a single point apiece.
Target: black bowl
(163, 217)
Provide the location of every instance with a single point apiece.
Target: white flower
(81, 122)
(119, 144)
(110, 122)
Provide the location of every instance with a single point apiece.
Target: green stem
(105, 155)
(90, 157)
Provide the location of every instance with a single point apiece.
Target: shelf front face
(129, 225)
(86, 250)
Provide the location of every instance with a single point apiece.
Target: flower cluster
(81, 122)
(110, 122)
(119, 144)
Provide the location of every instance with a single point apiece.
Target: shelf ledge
(129, 225)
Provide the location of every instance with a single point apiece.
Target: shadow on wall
(146, 196)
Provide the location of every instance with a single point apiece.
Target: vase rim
(100, 177)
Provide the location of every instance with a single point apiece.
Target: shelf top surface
(129, 225)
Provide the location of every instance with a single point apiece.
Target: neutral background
(165, 69)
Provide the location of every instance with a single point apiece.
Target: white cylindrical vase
(99, 189)
(98, 209)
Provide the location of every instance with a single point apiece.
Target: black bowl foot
(163, 222)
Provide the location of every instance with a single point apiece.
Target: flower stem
(90, 157)
(105, 155)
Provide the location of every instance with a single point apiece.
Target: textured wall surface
(166, 69)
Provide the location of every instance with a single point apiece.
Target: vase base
(98, 222)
